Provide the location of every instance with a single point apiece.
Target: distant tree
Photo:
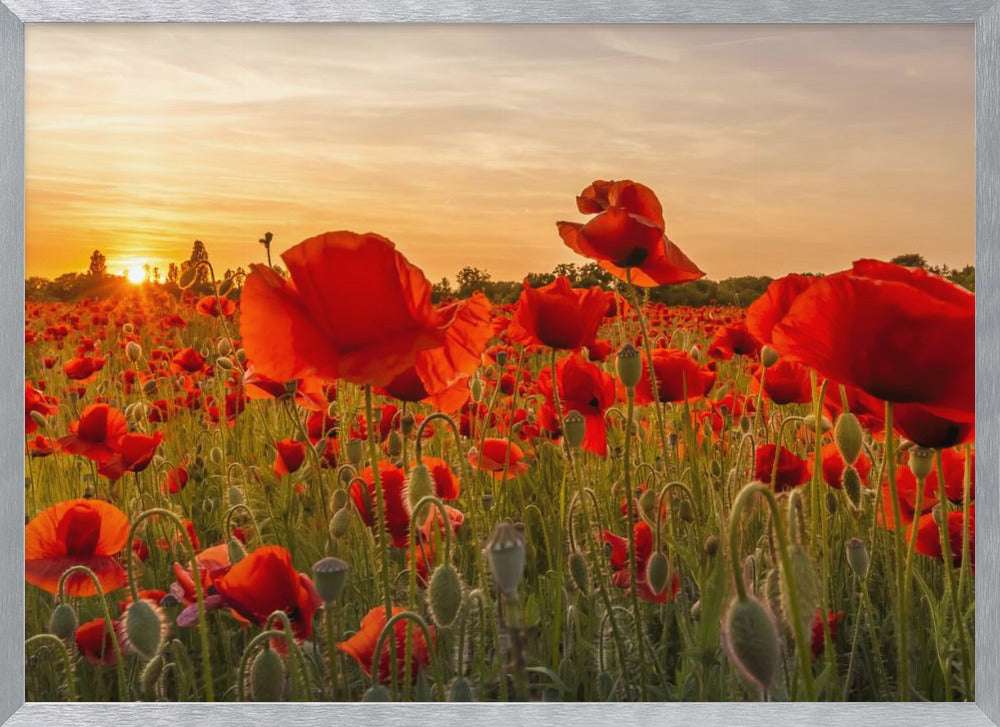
(910, 260)
(469, 280)
(172, 273)
(569, 270)
(441, 290)
(966, 277)
(98, 264)
(198, 255)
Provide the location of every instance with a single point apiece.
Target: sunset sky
(772, 148)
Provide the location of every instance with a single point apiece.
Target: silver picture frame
(984, 14)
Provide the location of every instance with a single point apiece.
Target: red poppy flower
(175, 480)
(94, 642)
(929, 536)
(818, 635)
(265, 582)
(42, 446)
(676, 374)
(35, 400)
(76, 532)
(627, 232)
(83, 368)
(97, 434)
(135, 452)
(354, 309)
(618, 553)
(786, 382)
(953, 465)
(922, 426)
(585, 388)
(558, 315)
(187, 360)
(440, 375)
(493, 456)
(209, 306)
(733, 339)
(833, 466)
(899, 334)
(765, 312)
(361, 646)
(289, 456)
(792, 471)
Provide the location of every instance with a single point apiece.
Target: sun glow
(136, 275)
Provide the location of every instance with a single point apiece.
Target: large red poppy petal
(45, 574)
(464, 341)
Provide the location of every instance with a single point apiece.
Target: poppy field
(312, 483)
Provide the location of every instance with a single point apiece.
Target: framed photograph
(556, 363)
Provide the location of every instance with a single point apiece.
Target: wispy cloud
(773, 148)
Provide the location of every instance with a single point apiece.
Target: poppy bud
(63, 621)
(444, 594)
(744, 424)
(149, 387)
(849, 437)
(224, 347)
(460, 690)
(850, 480)
(395, 444)
(686, 511)
(406, 424)
(578, 571)
(39, 419)
(133, 351)
(857, 557)
(329, 577)
(236, 496)
(267, 676)
(419, 485)
(150, 676)
(806, 589)
(187, 277)
(501, 358)
(340, 523)
(921, 462)
(751, 641)
(224, 363)
(657, 572)
(476, 388)
(225, 286)
(768, 357)
(629, 366)
(144, 627)
(355, 450)
(711, 546)
(696, 354)
(376, 693)
(646, 503)
(506, 556)
(339, 498)
(831, 503)
(575, 428)
(236, 551)
(241, 355)
(215, 455)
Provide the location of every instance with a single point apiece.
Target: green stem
(629, 500)
(903, 662)
(63, 656)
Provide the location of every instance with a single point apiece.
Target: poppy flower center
(79, 530)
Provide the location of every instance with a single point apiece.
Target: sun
(136, 275)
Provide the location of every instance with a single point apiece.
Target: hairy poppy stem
(632, 570)
(902, 657)
(384, 634)
(50, 639)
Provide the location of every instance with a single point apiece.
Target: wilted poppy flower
(265, 582)
(792, 470)
(618, 553)
(900, 334)
(440, 375)
(627, 232)
(289, 456)
(90, 533)
(361, 646)
(585, 388)
(95, 643)
(677, 374)
(558, 315)
(354, 309)
(97, 434)
(135, 452)
(494, 454)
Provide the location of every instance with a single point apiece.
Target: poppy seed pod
(849, 437)
(267, 676)
(355, 450)
(144, 627)
(657, 572)
(575, 428)
(460, 690)
(578, 572)
(506, 556)
(340, 523)
(850, 480)
(476, 389)
(444, 594)
(133, 351)
(857, 557)
(629, 366)
(419, 485)
(329, 577)
(768, 357)
(751, 641)
(921, 462)
(63, 621)
(236, 551)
